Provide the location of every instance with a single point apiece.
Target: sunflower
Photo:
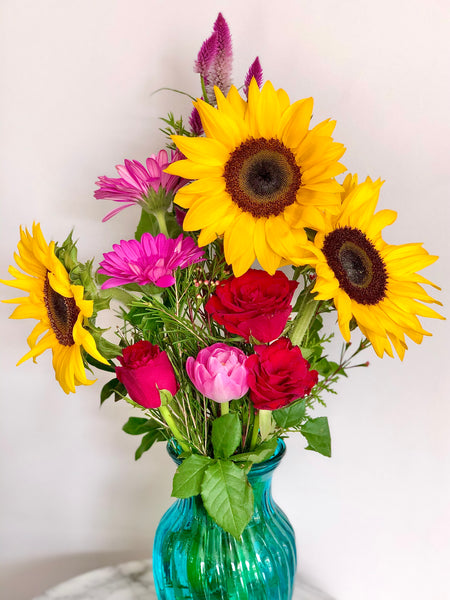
(368, 279)
(262, 176)
(58, 305)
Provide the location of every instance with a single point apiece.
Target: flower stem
(161, 222)
(224, 408)
(303, 320)
(167, 415)
(255, 431)
(265, 423)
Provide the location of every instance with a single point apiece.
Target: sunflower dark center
(262, 177)
(62, 312)
(356, 264)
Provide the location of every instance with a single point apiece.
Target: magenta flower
(145, 370)
(255, 71)
(219, 372)
(152, 260)
(195, 123)
(206, 56)
(140, 185)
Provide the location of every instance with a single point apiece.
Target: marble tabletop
(134, 581)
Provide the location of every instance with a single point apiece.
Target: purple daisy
(152, 260)
(138, 184)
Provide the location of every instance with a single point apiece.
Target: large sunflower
(368, 279)
(58, 305)
(262, 176)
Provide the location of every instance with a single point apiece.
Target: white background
(77, 78)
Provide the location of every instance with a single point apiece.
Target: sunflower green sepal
(59, 306)
(67, 252)
(82, 274)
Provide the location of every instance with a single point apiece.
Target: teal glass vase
(195, 559)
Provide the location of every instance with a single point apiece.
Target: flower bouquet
(245, 241)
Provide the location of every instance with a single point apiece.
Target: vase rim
(270, 463)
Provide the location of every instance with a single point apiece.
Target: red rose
(144, 371)
(256, 304)
(278, 375)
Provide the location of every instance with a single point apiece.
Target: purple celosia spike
(220, 71)
(256, 72)
(206, 56)
(195, 123)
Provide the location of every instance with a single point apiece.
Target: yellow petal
(238, 243)
(344, 309)
(267, 258)
(202, 150)
(295, 122)
(207, 210)
(192, 170)
(218, 125)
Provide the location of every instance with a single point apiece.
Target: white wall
(77, 81)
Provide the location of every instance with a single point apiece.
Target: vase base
(134, 581)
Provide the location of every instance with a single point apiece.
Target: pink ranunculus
(145, 370)
(219, 372)
(278, 375)
(256, 304)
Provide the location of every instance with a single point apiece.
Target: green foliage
(174, 127)
(148, 440)
(113, 387)
(226, 435)
(317, 434)
(227, 496)
(188, 478)
(139, 425)
(259, 454)
(291, 415)
(153, 431)
(147, 224)
(98, 365)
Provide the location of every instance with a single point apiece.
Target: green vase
(195, 559)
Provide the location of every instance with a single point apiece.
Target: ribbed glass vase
(195, 559)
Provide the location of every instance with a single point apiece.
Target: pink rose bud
(145, 370)
(219, 372)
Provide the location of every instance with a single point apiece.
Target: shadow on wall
(30, 579)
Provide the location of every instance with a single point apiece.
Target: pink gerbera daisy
(140, 185)
(152, 260)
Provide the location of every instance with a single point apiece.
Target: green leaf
(262, 452)
(226, 435)
(228, 496)
(317, 433)
(112, 387)
(326, 367)
(95, 363)
(156, 435)
(140, 425)
(107, 349)
(189, 476)
(147, 223)
(291, 415)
